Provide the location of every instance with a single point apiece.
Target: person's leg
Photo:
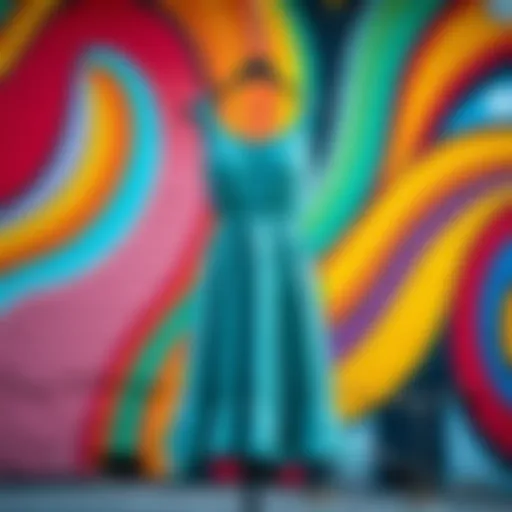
(259, 472)
(320, 475)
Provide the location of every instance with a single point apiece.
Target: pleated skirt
(257, 386)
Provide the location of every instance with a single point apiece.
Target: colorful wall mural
(104, 219)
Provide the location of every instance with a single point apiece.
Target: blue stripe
(114, 223)
(485, 106)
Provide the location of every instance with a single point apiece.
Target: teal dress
(257, 387)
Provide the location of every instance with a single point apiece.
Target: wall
(103, 217)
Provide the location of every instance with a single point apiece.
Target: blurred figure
(257, 406)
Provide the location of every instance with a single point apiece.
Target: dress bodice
(253, 177)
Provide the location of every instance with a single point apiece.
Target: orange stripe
(161, 409)
(474, 35)
(217, 30)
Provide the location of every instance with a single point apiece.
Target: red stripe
(488, 410)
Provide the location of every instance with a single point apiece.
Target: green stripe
(388, 34)
(125, 434)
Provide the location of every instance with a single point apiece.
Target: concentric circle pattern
(480, 352)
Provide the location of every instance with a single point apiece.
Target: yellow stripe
(75, 196)
(358, 258)
(19, 32)
(283, 47)
(403, 336)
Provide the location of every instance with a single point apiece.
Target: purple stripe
(348, 333)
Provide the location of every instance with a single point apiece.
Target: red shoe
(226, 471)
(292, 475)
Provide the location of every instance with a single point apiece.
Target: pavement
(140, 497)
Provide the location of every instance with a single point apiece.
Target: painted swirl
(104, 220)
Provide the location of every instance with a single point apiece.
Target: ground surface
(113, 497)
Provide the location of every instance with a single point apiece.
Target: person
(256, 405)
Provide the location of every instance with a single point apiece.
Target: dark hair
(256, 68)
